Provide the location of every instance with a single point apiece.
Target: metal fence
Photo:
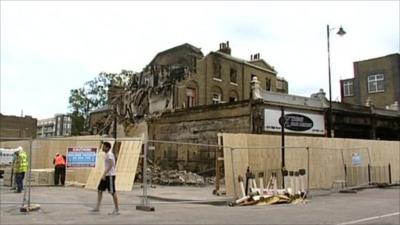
(166, 162)
(325, 168)
(182, 163)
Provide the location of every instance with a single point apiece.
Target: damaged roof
(186, 45)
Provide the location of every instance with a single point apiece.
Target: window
(233, 76)
(376, 83)
(217, 70)
(155, 79)
(190, 97)
(348, 88)
(268, 84)
(216, 95)
(233, 96)
(216, 98)
(194, 63)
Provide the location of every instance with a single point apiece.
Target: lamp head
(341, 32)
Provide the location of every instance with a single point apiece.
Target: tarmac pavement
(177, 205)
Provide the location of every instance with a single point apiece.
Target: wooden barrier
(325, 157)
(44, 151)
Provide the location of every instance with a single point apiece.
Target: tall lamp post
(341, 32)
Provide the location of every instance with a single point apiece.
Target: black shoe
(17, 191)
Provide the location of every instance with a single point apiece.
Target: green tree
(92, 96)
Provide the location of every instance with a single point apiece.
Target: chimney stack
(224, 47)
(256, 56)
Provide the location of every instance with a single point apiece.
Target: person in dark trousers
(59, 169)
(20, 167)
(107, 180)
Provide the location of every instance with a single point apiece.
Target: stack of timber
(294, 191)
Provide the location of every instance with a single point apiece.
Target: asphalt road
(71, 205)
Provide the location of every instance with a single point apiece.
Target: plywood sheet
(235, 160)
(126, 165)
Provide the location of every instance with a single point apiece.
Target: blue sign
(81, 157)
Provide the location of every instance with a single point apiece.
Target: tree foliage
(92, 96)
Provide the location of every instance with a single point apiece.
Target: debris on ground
(175, 177)
(294, 192)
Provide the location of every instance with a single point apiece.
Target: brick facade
(389, 66)
(17, 127)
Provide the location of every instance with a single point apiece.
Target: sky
(51, 47)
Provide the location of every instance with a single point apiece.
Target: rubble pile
(174, 177)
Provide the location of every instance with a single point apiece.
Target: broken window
(233, 76)
(233, 96)
(194, 64)
(190, 97)
(268, 84)
(217, 70)
(155, 79)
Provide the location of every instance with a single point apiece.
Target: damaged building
(182, 77)
(183, 96)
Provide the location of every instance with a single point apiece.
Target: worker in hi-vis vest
(20, 168)
(59, 169)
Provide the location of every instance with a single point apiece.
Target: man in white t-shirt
(108, 179)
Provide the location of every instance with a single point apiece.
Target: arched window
(233, 96)
(216, 95)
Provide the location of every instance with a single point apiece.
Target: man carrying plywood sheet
(108, 179)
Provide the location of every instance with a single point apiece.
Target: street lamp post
(341, 32)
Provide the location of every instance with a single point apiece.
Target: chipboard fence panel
(324, 159)
(127, 164)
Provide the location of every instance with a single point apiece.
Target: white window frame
(348, 89)
(374, 81)
(216, 98)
